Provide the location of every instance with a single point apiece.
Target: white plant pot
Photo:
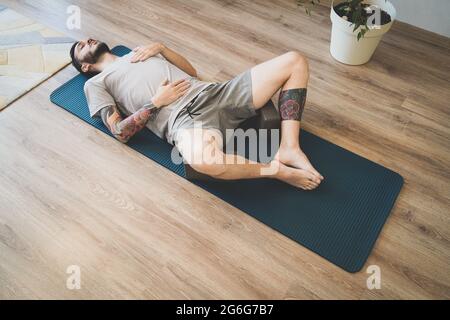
(345, 46)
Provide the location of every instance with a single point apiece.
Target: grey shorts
(221, 106)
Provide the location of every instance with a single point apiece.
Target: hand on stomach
(169, 92)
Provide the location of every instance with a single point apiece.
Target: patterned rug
(29, 54)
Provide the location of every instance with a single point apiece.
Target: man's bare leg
(290, 72)
(202, 149)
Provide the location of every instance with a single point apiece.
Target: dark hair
(75, 62)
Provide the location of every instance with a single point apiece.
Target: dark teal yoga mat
(340, 220)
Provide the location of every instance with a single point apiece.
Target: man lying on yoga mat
(157, 88)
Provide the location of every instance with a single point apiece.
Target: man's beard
(100, 50)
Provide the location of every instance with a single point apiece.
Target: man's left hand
(144, 52)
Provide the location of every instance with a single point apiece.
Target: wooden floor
(71, 195)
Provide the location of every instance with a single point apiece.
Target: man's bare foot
(296, 158)
(299, 178)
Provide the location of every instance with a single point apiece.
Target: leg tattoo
(291, 103)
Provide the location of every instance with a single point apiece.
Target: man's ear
(86, 67)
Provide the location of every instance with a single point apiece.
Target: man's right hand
(169, 92)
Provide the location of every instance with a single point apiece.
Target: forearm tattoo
(124, 129)
(291, 103)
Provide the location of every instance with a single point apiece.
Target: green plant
(307, 4)
(355, 11)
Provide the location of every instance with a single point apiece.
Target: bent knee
(297, 59)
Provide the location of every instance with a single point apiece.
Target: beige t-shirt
(132, 85)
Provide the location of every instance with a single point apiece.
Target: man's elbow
(194, 73)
